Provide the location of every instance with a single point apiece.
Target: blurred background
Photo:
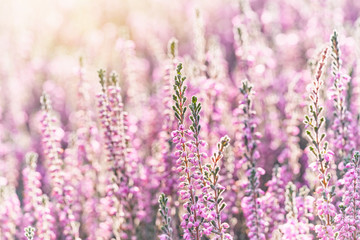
(41, 42)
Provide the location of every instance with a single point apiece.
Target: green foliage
(164, 212)
(195, 108)
(211, 175)
(29, 233)
(173, 48)
(335, 53)
(179, 96)
(101, 74)
(45, 102)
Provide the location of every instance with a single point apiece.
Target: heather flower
(298, 208)
(251, 204)
(32, 189)
(214, 199)
(53, 152)
(122, 193)
(37, 210)
(323, 156)
(347, 222)
(189, 162)
(45, 225)
(87, 170)
(343, 130)
(168, 176)
(10, 212)
(274, 199)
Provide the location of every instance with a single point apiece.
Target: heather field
(180, 120)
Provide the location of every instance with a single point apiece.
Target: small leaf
(223, 205)
(194, 99)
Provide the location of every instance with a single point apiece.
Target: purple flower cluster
(258, 141)
(121, 191)
(60, 191)
(324, 157)
(299, 209)
(189, 163)
(343, 126)
(348, 220)
(37, 209)
(251, 204)
(10, 212)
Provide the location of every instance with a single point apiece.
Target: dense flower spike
(215, 201)
(37, 210)
(323, 156)
(348, 220)
(53, 152)
(343, 139)
(122, 193)
(190, 180)
(10, 212)
(250, 138)
(32, 189)
(251, 204)
(45, 226)
(87, 153)
(167, 175)
(274, 199)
